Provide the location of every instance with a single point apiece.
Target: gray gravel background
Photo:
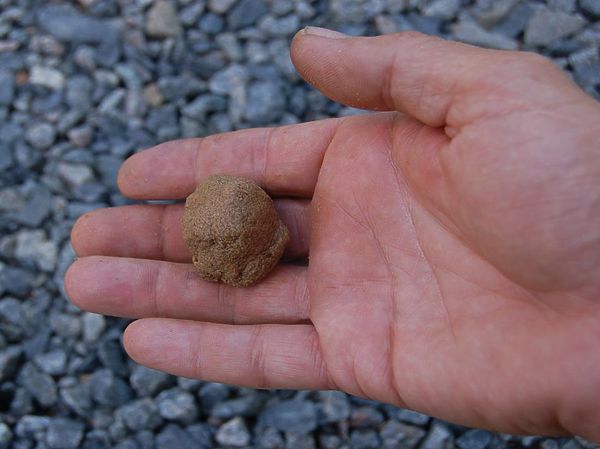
(84, 84)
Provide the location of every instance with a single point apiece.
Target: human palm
(451, 246)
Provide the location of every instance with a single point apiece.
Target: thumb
(425, 77)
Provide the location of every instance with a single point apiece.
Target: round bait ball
(233, 231)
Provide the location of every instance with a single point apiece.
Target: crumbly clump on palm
(233, 231)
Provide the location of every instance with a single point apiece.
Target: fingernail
(324, 32)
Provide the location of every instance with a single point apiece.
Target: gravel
(85, 84)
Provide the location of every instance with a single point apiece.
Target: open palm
(453, 246)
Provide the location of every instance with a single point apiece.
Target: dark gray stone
(129, 443)
(77, 397)
(203, 434)
(64, 433)
(474, 439)
(233, 433)
(591, 7)
(147, 381)
(246, 13)
(41, 135)
(547, 25)
(366, 417)
(294, 416)
(32, 426)
(162, 20)
(140, 415)
(397, 435)
(96, 439)
(37, 208)
(244, 406)
(7, 87)
(333, 406)
(269, 438)
(439, 437)
(112, 356)
(204, 104)
(364, 439)
(12, 318)
(107, 389)
(79, 92)
(211, 23)
(412, 417)
(266, 102)
(53, 362)
(67, 24)
(174, 437)
(9, 361)
(6, 436)
(177, 405)
(212, 393)
(299, 441)
(41, 386)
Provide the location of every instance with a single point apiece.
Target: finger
(260, 356)
(285, 161)
(154, 232)
(136, 288)
(410, 72)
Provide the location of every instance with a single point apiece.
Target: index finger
(284, 161)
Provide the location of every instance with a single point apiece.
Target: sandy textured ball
(233, 231)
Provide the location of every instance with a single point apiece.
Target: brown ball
(233, 231)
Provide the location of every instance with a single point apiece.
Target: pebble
(41, 135)
(74, 174)
(162, 20)
(474, 439)
(177, 405)
(220, 6)
(469, 31)
(265, 104)
(53, 362)
(333, 406)
(141, 414)
(7, 87)
(395, 434)
(64, 433)
(439, 437)
(78, 398)
(233, 433)
(93, 326)
(366, 417)
(17, 281)
(211, 393)
(6, 436)
(41, 386)
(591, 7)
(111, 355)
(547, 25)
(9, 361)
(364, 439)
(33, 248)
(290, 416)
(244, 406)
(147, 381)
(36, 209)
(174, 437)
(47, 77)
(66, 24)
(107, 389)
(32, 426)
(246, 13)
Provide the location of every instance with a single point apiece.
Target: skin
(454, 241)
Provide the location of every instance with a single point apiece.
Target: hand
(454, 243)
